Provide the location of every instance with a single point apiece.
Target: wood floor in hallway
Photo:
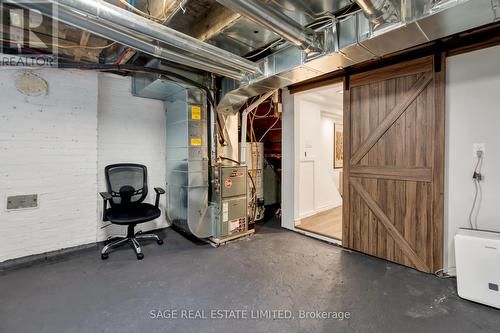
(327, 223)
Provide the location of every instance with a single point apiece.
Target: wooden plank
(84, 40)
(389, 226)
(423, 219)
(393, 116)
(320, 81)
(373, 121)
(389, 137)
(410, 215)
(439, 164)
(372, 221)
(356, 220)
(364, 118)
(221, 241)
(216, 21)
(396, 173)
(371, 184)
(422, 130)
(394, 71)
(346, 221)
(381, 232)
(364, 222)
(355, 109)
(411, 126)
(399, 198)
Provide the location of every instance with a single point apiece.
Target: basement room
(249, 166)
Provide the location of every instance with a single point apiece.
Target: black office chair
(127, 186)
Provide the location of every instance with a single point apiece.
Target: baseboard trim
(51, 256)
(328, 207)
(47, 257)
(320, 210)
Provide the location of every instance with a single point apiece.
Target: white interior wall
(473, 116)
(131, 130)
(289, 150)
(48, 146)
(290, 187)
(328, 176)
(318, 180)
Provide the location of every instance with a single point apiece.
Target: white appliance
(477, 256)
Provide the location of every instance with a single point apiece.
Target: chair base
(131, 238)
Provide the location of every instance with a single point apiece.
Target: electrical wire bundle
(477, 177)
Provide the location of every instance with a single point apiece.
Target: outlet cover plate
(477, 147)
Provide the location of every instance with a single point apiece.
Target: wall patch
(30, 84)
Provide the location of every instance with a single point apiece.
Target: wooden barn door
(394, 163)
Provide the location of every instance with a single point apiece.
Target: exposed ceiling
(205, 20)
(316, 37)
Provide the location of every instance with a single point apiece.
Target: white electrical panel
(478, 266)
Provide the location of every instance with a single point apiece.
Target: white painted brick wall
(48, 146)
(131, 129)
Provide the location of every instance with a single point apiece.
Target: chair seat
(134, 214)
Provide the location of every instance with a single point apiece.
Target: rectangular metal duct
(134, 31)
(133, 40)
(103, 11)
(187, 162)
(276, 21)
(355, 40)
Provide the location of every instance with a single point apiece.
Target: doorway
(319, 161)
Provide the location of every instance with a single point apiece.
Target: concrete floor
(276, 269)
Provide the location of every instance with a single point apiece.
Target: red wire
(119, 60)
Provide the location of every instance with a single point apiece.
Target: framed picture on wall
(338, 146)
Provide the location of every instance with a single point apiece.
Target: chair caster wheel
(104, 256)
(140, 256)
(160, 242)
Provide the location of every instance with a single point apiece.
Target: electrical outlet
(478, 147)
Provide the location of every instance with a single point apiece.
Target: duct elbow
(379, 12)
(312, 46)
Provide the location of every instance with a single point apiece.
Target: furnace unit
(230, 199)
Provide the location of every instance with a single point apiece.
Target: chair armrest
(159, 191)
(106, 196)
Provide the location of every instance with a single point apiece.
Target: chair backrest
(127, 183)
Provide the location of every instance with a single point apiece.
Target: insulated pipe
(108, 13)
(98, 28)
(378, 11)
(275, 21)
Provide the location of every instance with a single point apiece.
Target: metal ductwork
(354, 40)
(129, 39)
(274, 20)
(101, 10)
(379, 12)
(120, 25)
